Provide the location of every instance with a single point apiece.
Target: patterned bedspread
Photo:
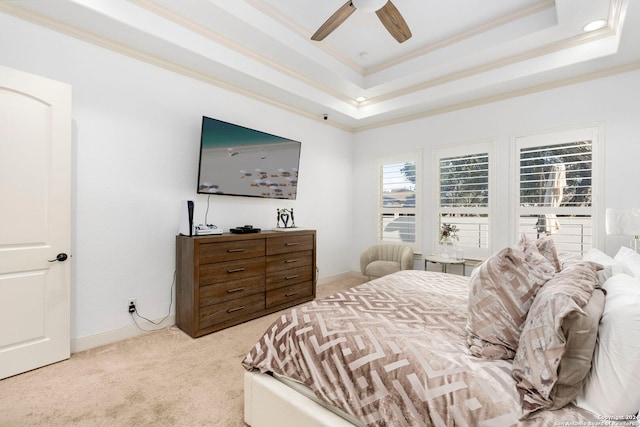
(392, 352)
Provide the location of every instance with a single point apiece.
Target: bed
(394, 351)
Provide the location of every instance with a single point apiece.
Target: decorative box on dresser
(224, 280)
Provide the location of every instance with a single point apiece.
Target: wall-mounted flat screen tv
(238, 161)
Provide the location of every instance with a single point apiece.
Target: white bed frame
(269, 402)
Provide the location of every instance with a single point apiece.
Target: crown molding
(181, 20)
(499, 63)
(103, 42)
(626, 68)
(464, 35)
(89, 37)
(303, 33)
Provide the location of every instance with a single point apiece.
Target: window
(557, 186)
(398, 201)
(463, 197)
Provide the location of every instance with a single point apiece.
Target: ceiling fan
(386, 11)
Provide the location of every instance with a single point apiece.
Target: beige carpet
(163, 378)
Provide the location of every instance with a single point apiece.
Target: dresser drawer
(227, 291)
(279, 279)
(230, 310)
(290, 293)
(225, 280)
(231, 270)
(289, 243)
(227, 251)
(289, 260)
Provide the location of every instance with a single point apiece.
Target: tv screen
(238, 161)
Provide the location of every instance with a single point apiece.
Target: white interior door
(35, 164)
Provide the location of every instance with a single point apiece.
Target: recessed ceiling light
(595, 25)
(361, 99)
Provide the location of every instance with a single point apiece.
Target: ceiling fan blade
(394, 22)
(334, 21)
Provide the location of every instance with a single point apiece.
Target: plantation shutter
(398, 208)
(556, 190)
(463, 197)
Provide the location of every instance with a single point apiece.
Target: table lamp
(624, 221)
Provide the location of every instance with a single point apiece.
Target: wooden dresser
(231, 278)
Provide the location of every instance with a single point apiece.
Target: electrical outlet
(131, 305)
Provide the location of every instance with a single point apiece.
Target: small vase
(447, 247)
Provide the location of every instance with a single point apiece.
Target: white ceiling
(463, 52)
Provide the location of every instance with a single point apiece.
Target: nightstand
(445, 262)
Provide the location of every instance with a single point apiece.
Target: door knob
(60, 257)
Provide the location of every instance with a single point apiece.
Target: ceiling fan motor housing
(369, 5)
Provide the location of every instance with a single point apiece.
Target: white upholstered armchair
(383, 259)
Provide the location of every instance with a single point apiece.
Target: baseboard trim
(109, 337)
(340, 276)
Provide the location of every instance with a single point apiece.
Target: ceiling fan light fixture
(369, 5)
(595, 25)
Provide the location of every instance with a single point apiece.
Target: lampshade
(369, 5)
(623, 221)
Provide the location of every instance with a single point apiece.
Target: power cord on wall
(206, 214)
(133, 311)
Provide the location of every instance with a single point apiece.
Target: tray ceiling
(462, 52)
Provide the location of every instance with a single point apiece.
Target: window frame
(398, 158)
(592, 132)
(473, 148)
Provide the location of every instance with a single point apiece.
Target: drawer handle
(289, 261)
(292, 244)
(290, 294)
(230, 291)
(291, 277)
(236, 270)
(231, 251)
(231, 310)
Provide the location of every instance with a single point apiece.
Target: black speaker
(186, 218)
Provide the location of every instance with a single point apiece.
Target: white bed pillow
(612, 386)
(611, 266)
(630, 259)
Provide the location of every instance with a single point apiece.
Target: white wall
(136, 136)
(610, 101)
